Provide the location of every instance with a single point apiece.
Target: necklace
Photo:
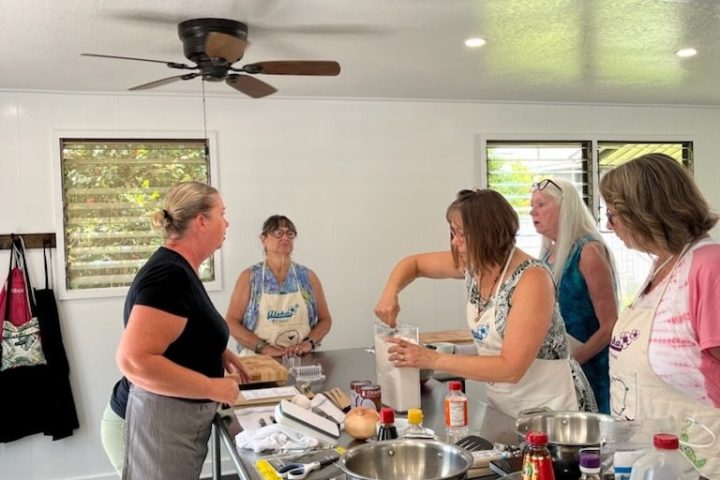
(651, 278)
(483, 302)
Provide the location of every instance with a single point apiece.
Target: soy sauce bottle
(387, 430)
(537, 462)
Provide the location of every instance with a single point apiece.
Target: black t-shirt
(168, 282)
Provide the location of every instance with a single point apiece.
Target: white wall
(366, 182)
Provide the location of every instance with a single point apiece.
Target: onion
(360, 422)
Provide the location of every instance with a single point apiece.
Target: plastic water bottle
(589, 466)
(415, 427)
(623, 462)
(664, 462)
(456, 412)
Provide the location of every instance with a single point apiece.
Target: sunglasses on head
(466, 193)
(543, 184)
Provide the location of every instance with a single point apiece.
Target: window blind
(110, 188)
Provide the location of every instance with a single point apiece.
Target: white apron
(636, 393)
(547, 383)
(283, 318)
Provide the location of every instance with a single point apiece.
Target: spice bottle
(537, 463)
(415, 427)
(387, 430)
(371, 397)
(589, 466)
(355, 386)
(456, 412)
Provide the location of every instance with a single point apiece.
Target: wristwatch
(313, 344)
(260, 345)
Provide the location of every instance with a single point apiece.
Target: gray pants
(165, 438)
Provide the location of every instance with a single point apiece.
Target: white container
(663, 462)
(623, 462)
(400, 387)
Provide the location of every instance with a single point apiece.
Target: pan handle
(533, 411)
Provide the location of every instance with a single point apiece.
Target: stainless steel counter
(340, 368)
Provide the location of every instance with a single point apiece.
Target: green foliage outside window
(110, 188)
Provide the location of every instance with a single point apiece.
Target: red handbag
(17, 311)
(20, 337)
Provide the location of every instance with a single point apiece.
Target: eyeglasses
(610, 217)
(543, 184)
(457, 232)
(279, 233)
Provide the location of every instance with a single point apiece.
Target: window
(512, 167)
(109, 189)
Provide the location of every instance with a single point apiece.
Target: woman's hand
(387, 308)
(406, 354)
(274, 351)
(224, 390)
(234, 367)
(299, 349)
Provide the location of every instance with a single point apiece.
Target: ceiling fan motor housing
(193, 34)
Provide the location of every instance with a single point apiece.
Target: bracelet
(260, 345)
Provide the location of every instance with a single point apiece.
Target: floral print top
(555, 345)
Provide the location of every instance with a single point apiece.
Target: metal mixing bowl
(406, 460)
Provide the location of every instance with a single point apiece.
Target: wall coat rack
(32, 240)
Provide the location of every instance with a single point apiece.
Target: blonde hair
(183, 202)
(659, 202)
(574, 222)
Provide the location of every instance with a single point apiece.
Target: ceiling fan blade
(222, 45)
(250, 86)
(164, 81)
(294, 67)
(169, 64)
(319, 29)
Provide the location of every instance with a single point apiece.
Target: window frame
(593, 181)
(593, 178)
(57, 137)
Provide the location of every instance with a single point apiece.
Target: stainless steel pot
(406, 460)
(568, 433)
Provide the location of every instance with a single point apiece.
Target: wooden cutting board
(452, 336)
(264, 369)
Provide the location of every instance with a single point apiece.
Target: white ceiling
(598, 51)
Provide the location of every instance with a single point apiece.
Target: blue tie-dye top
(271, 286)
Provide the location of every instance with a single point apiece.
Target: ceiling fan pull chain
(207, 148)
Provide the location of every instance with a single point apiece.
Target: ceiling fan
(214, 45)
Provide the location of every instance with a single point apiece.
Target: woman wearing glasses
(584, 272)
(278, 306)
(523, 351)
(665, 348)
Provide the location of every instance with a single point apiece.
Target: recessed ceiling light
(686, 52)
(474, 42)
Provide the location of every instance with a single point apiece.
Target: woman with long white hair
(584, 273)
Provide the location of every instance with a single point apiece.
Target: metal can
(355, 386)
(371, 397)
